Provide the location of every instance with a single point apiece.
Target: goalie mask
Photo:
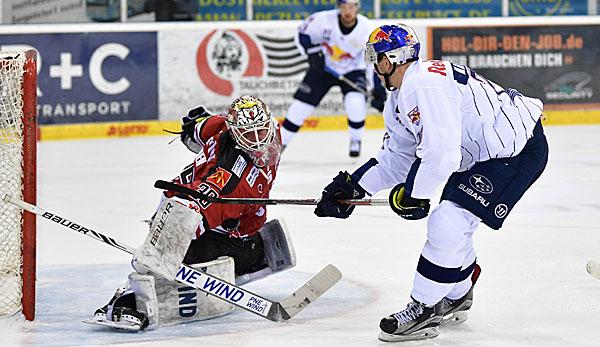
(254, 130)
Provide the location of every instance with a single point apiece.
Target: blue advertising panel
(300, 9)
(547, 7)
(93, 77)
(440, 8)
(221, 10)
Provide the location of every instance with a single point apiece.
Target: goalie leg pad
(279, 251)
(171, 232)
(168, 303)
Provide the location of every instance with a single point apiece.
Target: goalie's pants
(247, 252)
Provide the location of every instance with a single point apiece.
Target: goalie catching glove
(188, 127)
(407, 207)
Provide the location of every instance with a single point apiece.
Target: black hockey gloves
(188, 125)
(316, 61)
(342, 187)
(407, 207)
(379, 97)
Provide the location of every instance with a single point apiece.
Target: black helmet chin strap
(386, 76)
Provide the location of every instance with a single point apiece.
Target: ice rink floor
(533, 290)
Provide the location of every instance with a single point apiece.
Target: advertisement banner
(213, 67)
(93, 77)
(440, 9)
(219, 10)
(47, 11)
(300, 9)
(547, 7)
(558, 64)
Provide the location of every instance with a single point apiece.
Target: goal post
(18, 139)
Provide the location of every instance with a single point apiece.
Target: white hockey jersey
(451, 118)
(343, 53)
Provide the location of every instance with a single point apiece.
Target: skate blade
(455, 318)
(427, 333)
(115, 325)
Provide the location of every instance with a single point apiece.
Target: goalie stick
(242, 298)
(593, 268)
(260, 201)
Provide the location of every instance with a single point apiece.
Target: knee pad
(167, 303)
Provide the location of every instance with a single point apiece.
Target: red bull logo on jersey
(379, 35)
(415, 116)
(336, 53)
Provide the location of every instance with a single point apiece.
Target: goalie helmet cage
(18, 136)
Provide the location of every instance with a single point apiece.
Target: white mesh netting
(11, 172)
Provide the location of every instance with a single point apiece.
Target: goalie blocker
(150, 300)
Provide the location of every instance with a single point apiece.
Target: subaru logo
(481, 184)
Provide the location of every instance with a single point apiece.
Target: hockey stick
(593, 268)
(271, 310)
(260, 201)
(348, 81)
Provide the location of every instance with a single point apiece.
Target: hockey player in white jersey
(334, 42)
(445, 124)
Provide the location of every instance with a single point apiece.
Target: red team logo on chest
(415, 116)
(219, 178)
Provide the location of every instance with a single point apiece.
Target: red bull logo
(410, 39)
(379, 35)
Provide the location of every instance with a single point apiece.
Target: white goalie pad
(169, 303)
(279, 251)
(171, 231)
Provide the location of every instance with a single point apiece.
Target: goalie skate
(125, 326)
(128, 320)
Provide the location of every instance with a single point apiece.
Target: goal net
(18, 132)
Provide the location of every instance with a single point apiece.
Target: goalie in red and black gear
(237, 157)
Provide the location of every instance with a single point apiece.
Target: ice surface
(533, 291)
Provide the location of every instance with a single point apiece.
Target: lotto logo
(219, 178)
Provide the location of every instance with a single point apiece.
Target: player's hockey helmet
(398, 42)
(254, 129)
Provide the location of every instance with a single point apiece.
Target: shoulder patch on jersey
(415, 116)
(219, 178)
(239, 166)
(252, 176)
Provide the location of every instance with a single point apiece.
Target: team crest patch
(415, 116)
(219, 178)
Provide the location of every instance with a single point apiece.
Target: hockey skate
(416, 322)
(120, 313)
(355, 148)
(455, 311)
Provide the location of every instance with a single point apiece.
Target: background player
(445, 124)
(334, 41)
(237, 156)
